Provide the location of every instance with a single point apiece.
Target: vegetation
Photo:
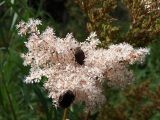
(114, 21)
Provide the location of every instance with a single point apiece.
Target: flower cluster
(76, 71)
(152, 5)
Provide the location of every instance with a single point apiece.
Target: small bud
(66, 99)
(79, 56)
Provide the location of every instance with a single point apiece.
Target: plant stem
(10, 101)
(65, 114)
(88, 115)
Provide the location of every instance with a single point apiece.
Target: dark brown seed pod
(66, 99)
(79, 56)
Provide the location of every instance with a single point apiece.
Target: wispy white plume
(78, 68)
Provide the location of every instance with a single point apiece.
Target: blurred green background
(20, 101)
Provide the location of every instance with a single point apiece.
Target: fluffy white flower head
(151, 5)
(76, 71)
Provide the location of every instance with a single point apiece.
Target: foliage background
(18, 101)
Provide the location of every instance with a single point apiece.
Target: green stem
(10, 101)
(65, 114)
(88, 115)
